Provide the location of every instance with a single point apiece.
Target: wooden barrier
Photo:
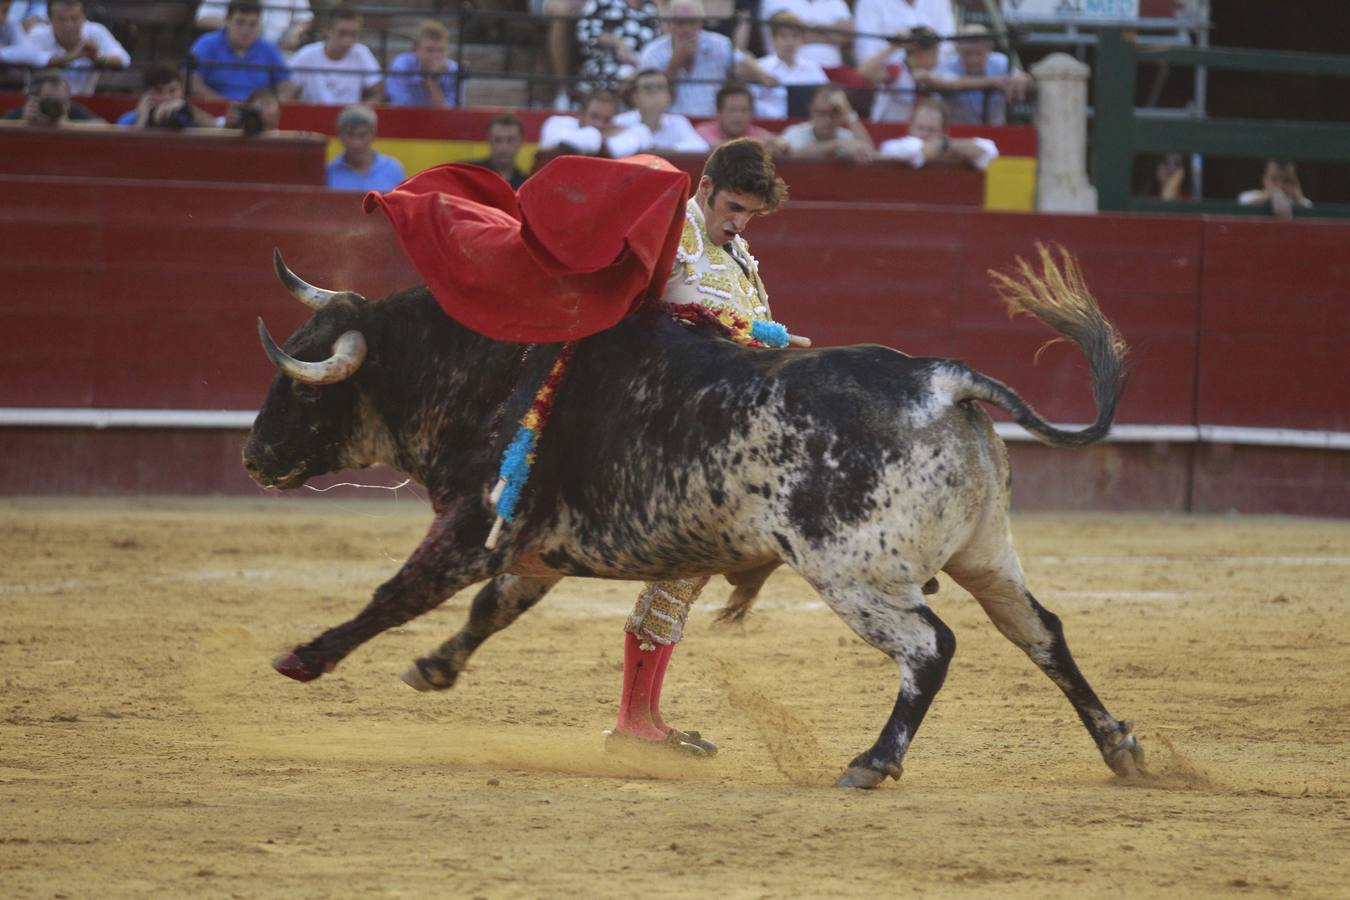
(193, 155)
(143, 294)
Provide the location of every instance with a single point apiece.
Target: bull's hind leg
(500, 602)
(1001, 590)
(903, 627)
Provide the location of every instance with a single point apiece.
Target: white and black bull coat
(673, 452)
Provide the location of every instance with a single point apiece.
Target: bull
(674, 452)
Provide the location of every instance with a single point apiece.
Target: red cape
(578, 248)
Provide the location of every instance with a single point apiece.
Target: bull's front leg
(449, 559)
(500, 602)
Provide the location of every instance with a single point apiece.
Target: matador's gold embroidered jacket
(705, 273)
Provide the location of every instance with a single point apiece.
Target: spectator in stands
(785, 64)
(1170, 177)
(339, 69)
(1280, 190)
(164, 104)
(650, 126)
(983, 78)
(79, 46)
(25, 14)
(697, 60)
(562, 22)
(259, 113)
(234, 62)
(883, 23)
(828, 24)
(49, 105)
(735, 115)
(505, 137)
(833, 132)
(610, 34)
(284, 22)
(586, 134)
(899, 85)
(361, 167)
(928, 144)
(15, 47)
(425, 75)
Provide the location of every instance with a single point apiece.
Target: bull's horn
(308, 294)
(349, 351)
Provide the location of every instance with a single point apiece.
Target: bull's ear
(349, 351)
(308, 294)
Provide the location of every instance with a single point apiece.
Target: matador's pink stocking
(663, 653)
(640, 687)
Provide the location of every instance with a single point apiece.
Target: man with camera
(260, 113)
(164, 104)
(48, 104)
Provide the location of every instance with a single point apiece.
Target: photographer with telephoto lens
(259, 114)
(164, 104)
(48, 104)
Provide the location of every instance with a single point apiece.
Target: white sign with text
(1082, 10)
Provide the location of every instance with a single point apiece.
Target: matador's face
(727, 213)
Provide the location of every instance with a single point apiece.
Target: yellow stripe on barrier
(1010, 184)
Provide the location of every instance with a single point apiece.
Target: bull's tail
(1059, 298)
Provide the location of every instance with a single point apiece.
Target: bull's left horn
(349, 351)
(306, 293)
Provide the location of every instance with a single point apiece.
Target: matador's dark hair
(744, 166)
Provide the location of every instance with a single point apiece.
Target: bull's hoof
(860, 777)
(930, 587)
(1124, 754)
(424, 675)
(292, 666)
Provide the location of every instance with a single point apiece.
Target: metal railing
(1120, 131)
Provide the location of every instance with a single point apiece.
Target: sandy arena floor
(146, 748)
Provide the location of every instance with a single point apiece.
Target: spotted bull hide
(673, 452)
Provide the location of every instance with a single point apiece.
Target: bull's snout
(264, 466)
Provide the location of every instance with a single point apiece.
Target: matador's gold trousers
(661, 611)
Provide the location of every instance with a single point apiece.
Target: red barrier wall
(124, 294)
(285, 158)
(1275, 326)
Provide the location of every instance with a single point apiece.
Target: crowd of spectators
(642, 72)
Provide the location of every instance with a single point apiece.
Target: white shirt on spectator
(821, 13)
(890, 17)
(277, 15)
(802, 135)
(80, 72)
(772, 103)
(568, 130)
(337, 81)
(894, 100)
(676, 135)
(16, 49)
(713, 64)
(909, 149)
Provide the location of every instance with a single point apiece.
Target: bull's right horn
(349, 351)
(308, 294)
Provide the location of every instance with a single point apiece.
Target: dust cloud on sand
(146, 747)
